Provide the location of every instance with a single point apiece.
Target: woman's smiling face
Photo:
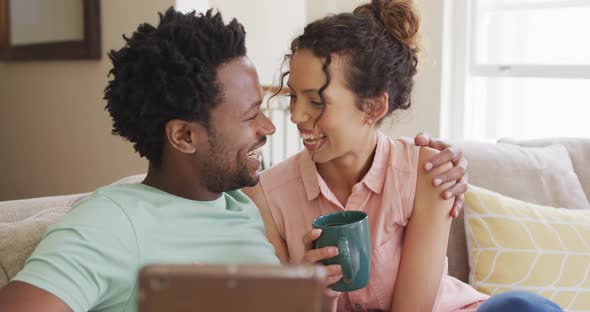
(342, 128)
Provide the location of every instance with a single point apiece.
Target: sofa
(550, 172)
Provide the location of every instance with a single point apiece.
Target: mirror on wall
(49, 30)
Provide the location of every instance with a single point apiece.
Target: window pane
(528, 108)
(532, 32)
(285, 142)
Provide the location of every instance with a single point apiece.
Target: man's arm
(18, 296)
(458, 172)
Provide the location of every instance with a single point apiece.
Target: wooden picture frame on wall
(89, 47)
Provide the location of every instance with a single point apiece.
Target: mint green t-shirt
(90, 260)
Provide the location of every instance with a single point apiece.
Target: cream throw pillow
(514, 245)
(578, 149)
(539, 175)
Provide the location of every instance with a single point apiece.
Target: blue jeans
(518, 301)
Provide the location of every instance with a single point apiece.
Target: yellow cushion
(514, 245)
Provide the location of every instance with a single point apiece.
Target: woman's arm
(272, 232)
(425, 242)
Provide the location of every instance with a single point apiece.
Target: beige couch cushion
(543, 176)
(578, 149)
(19, 239)
(130, 179)
(16, 210)
(539, 175)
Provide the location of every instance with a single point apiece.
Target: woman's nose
(298, 113)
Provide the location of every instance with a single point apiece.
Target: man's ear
(185, 136)
(376, 107)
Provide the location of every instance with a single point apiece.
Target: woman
(348, 72)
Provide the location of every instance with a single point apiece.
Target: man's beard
(225, 168)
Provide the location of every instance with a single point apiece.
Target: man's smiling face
(237, 128)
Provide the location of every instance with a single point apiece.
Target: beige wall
(270, 26)
(54, 133)
(425, 113)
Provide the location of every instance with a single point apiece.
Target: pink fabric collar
(374, 179)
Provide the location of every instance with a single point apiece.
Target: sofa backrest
(545, 175)
(579, 152)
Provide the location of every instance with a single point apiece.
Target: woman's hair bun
(400, 18)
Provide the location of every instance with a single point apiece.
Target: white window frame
(459, 47)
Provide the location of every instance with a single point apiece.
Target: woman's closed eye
(317, 103)
(292, 97)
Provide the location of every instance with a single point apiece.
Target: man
(187, 97)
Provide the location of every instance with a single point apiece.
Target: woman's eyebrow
(306, 90)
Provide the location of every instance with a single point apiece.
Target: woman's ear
(184, 136)
(376, 108)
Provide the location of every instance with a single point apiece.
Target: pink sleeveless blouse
(296, 195)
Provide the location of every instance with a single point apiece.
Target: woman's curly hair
(169, 72)
(379, 42)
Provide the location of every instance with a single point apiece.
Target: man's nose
(267, 127)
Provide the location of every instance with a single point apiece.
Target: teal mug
(349, 231)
